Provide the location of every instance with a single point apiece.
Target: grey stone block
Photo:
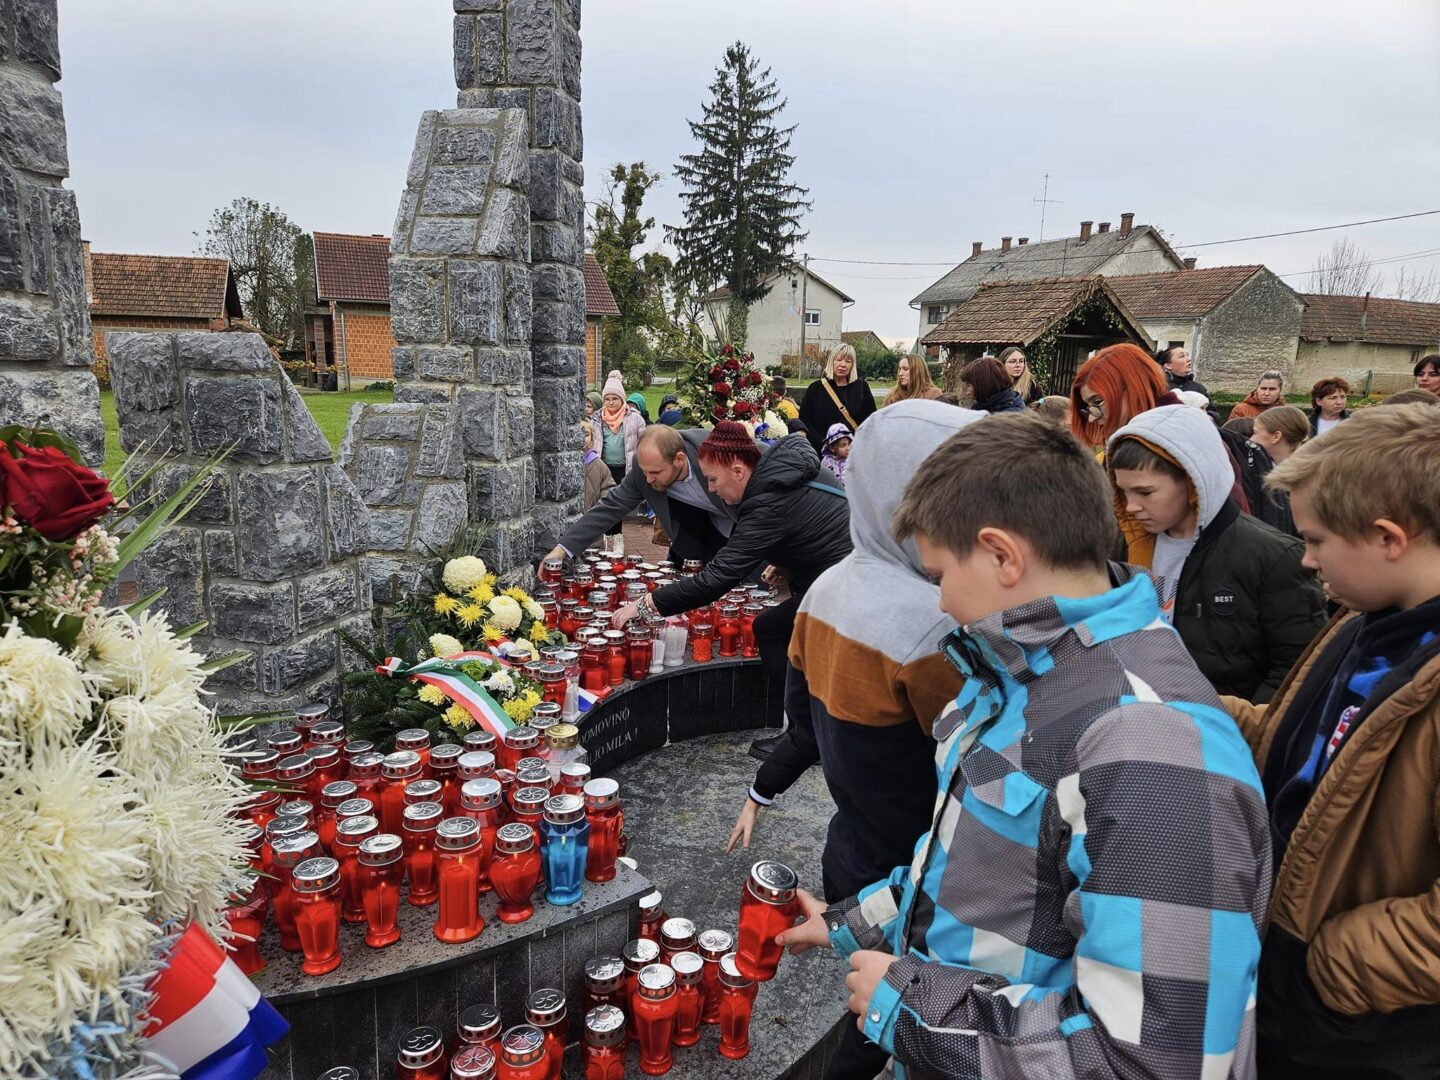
(462, 146)
(214, 506)
(37, 38)
(225, 352)
(478, 5)
(402, 362)
(326, 596)
(347, 518)
(29, 330)
(14, 197)
(570, 62)
(172, 562)
(455, 189)
(561, 475)
(551, 520)
(68, 278)
(563, 361)
(392, 422)
(556, 281)
(307, 441)
(479, 49)
(443, 236)
(383, 571)
(240, 412)
(425, 393)
(445, 363)
(32, 124)
(482, 423)
(556, 120)
(304, 660)
(500, 492)
(442, 451)
(554, 242)
(518, 305)
(443, 513)
(220, 559)
(474, 295)
(147, 390)
(280, 523)
(35, 260)
(253, 613)
(475, 97)
(501, 367)
(544, 186)
(417, 300)
(382, 473)
(557, 405)
(519, 425)
(390, 529)
(67, 401)
(243, 675)
(419, 159)
(509, 543)
(532, 43)
(361, 629)
(504, 230)
(512, 159)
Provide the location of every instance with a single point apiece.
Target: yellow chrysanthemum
(432, 695)
(493, 633)
(469, 615)
(482, 593)
(458, 719)
(445, 603)
(519, 708)
(491, 579)
(540, 633)
(516, 594)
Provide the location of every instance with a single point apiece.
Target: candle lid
(382, 849)
(340, 1072)
(473, 1063)
(602, 793)
(422, 816)
(354, 808)
(552, 672)
(324, 756)
(316, 875)
(688, 967)
(481, 794)
(245, 884)
(457, 834)
(514, 838)
(575, 773)
(730, 973)
(529, 800)
(295, 767)
(366, 766)
(296, 808)
(522, 737)
(479, 740)
(604, 973)
(563, 737)
(422, 791)
(655, 981)
(713, 944)
(281, 826)
(773, 882)
(530, 762)
(401, 765)
(355, 747)
(336, 792)
(677, 934)
(290, 851)
(285, 742)
(522, 1045)
(413, 738)
(446, 755)
(312, 713)
(564, 809)
(545, 1007)
(640, 952)
(349, 831)
(475, 764)
(604, 1026)
(421, 1046)
(479, 1023)
(258, 762)
(614, 637)
(328, 731)
(650, 904)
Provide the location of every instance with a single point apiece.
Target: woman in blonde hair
(839, 397)
(1021, 381)
(912, 382)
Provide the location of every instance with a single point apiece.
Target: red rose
(721, 389)
(755, 378)
(743, 408)
(717, 372)
(732, 364)
(50, 493)
(727, 350)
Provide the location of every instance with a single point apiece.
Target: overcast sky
(922, 124)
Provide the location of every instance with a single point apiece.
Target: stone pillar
(269, 558)
(525, 54)
(45, 345)
(460, 309)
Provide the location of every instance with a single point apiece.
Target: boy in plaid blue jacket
(1090, 897)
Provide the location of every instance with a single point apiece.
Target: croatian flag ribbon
(207, 1019)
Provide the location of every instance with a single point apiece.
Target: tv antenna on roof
(1044, 200)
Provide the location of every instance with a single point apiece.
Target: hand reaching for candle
(773, 576)
(744, 825)
(810, 934)
(624, 615)
(867, 969)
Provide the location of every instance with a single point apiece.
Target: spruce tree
(742, 213)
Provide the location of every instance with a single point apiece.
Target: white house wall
(775, 321)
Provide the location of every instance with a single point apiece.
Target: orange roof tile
(599, 300)
(1185, 293)
(352, 267)
(162, 286)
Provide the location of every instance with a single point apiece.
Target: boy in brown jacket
(1349, 752)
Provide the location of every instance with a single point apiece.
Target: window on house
(1174, 344)
(935, 314)
(812, 316)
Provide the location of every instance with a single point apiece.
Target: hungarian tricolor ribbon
(445, 675)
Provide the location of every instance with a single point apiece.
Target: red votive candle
(655, 1005)
(767, 908)
(397, 771)
(290, 852)
(605, 1043)
(701, 645)
(515, 871)
(712, 946)
(246, 919)
(602, 808)
(737, 1003)
(417, 741)
(422, 1055)
(421, 820)
(457, 847)
(637, 955)
(604, 982)
(381, 872)
(350, 833)
(689, 998)
(545, 1009)
(522, 1054)
(317, 914)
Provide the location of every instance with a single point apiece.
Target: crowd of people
(1131, 721)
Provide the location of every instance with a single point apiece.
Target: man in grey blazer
(666, 474)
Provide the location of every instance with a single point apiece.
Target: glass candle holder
(261, 808)
(652, 916)
(690, 567)
(473, 1063)
(445, 767)
(480, 800)
(552, 571)
(552, 682)
(418, 791)
(327, 733)
(317, 914)
(475, 765)
(479, 1026)
(277, 828)
(727, 628)
(737, 1003)
(328, 769)
(563, 748)
(701, 646)
(640, 650)
(350, 833)
(545, 1009)
(689, 997)
(615, 658)
(364, 773)
(290, 852)
(351, 750)
(515, 871)
(677, 633)
(637, 955)
(307, 716)
(397, 771)
(527, 807)
(522, 1054)
(516, 743)
(259, 764)
(286, 742)
(767, 907)
(458, 852)
(567, 622)
(479, 740)
(533, 772)
(331, 796)
(421, 821)
(293, 774)
(422, 1055)
(655, 1004)
(676, 936)
(550, 611)
(381, 872)
(417, 741)
(712, 945)
(593, 671)
(604, 982)
(602, 808)
(748, 648)
(566, 845)
(604, 1053)
(245, 917)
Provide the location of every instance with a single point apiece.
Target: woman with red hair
(1113, 387)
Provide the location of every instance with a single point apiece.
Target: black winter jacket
(1245, 607)
(818, 412)
(782, 520)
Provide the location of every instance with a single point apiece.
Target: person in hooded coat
(1232, 586)
(866, 681)
(835, 450)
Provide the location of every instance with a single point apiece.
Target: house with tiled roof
(1057, 321)
(1130, 249)
(863, 340)
(800, 304)
(1365, 339)
(349, 326)
(1235, 321)
(599, 306)
(157, 292)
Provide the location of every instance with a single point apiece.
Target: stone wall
(1253, 330)
(269, 557)
(45, 348)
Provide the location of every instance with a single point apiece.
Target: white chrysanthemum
(534, 610)
(500, 683)
(444, 645)
(44, 697)
(193, 849)
(137, 656)
(505, 612)
(157, 729)
(167, 661)
(463, 574)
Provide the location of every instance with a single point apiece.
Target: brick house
(350, 326)
(599, 305)
(1370, 342)
(157, 292)
(1235, 321)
